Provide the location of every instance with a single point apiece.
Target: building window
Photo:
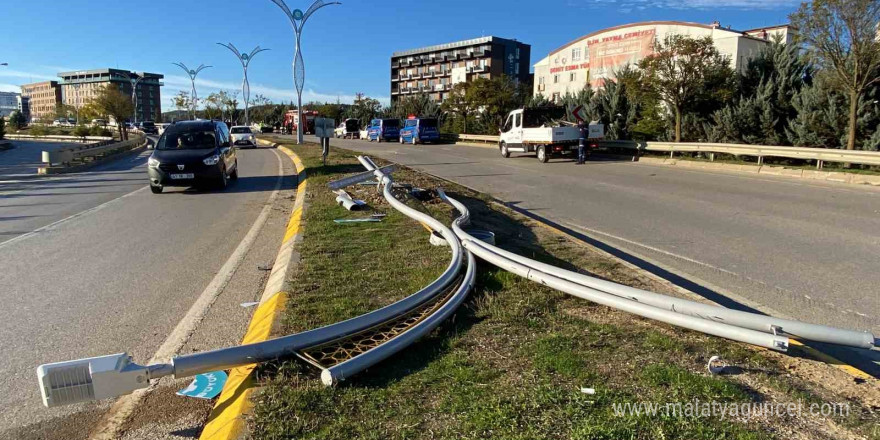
(541, 80)
(572, 77)
(517, 53)
(576, 54)
(556, 79)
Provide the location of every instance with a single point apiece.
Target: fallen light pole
(298, 21)
(192, 73)
(245, 59)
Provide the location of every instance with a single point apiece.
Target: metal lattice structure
(341, 350)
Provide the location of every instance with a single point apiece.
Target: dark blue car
(417, 130)
(383, 130)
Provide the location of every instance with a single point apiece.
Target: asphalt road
(796, 248)
(93, 264)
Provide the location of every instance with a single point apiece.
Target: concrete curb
(90, 165)
(227, 420)
(798, 173)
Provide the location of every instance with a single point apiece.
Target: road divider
(75, 159)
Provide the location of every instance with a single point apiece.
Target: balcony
(395, 78)
(439, 87)
(478, 69)
(395, 92)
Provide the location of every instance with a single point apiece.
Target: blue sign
(205, 386)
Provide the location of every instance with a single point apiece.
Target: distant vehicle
(130, 126)
(64, 122)
(383, 129)
(160, 127)
(149, 127)
(193, 153)
(417, 130)
(291, 119)
(242, 135)
(538, 130)
(99, 123)
(349, 129)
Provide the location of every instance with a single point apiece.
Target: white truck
(538, 130)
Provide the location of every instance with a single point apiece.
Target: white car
(243, 136)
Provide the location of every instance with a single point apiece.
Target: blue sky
(347, 48)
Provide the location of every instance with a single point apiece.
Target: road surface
(93, 264)
(802, 249)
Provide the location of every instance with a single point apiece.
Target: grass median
(513, 360)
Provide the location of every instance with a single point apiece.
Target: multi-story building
(433, 70)
(8, 103)
(595, 57)
(44, 97)
(24, 106)
(77, 88)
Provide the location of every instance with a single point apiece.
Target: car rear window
(241, 130)
(425, 123)
(188, 140)
(392, 123)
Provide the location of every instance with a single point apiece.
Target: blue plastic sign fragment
(205, 386)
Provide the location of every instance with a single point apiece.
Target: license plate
(183, 176)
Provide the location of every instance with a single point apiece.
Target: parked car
(244, 136)
(383, 129)
(417, 130)
(193, 153)
(348, 129)
(149, 127)
(99, 123)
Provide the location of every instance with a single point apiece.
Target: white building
(595, 57)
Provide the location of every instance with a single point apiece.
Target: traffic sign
(579, 113)
(205, 386)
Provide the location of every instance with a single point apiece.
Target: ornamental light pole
(298, 20)
(245, 59)
(134, 83)
(192, 73)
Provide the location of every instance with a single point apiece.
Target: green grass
(511, 362)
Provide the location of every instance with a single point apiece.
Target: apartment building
(433, 70)
(77, 88)
(9, 103)
(43, 98)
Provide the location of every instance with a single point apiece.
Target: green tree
(364, 109)
(81, 131)
(2, 127)
(684, 73)
(182, 101)
(17, 120)
(841, 35)
(419, 105)
(113, 103)
(460, 103)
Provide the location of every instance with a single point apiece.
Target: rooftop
(454, 45)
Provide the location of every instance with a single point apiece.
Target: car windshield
(189, 140)
(241, 130)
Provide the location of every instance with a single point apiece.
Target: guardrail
(58, 137)
(82, 153)
(820, 155)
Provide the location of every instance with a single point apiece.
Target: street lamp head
(4, 64)
(297, 14)
(244, 57)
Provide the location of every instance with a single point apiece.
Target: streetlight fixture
(192, 73)
(4, 64)
(298, 20)
(134, 83)
(245, 59)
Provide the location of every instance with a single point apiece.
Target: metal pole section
(752, 321)
(298, 20)
(192, 73)
(134, 82)
(245, 59)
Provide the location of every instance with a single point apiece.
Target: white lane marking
(125, 405)
(53, 225)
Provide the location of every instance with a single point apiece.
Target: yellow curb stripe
(828, 359)
(227, 419)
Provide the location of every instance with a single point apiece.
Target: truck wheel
(414, 140)
(505, 153)
(401, 139)
(379, 139)
(542, 154)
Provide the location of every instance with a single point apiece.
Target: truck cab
(383, 130)
(417, 130)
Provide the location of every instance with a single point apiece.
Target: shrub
(100, 131)
(2, 128)
(38, 130)
(81, 131)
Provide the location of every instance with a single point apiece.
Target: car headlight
(213, 160)
(153, 163)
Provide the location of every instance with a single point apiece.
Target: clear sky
(347, 48)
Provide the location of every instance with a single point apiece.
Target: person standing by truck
(583, 130)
